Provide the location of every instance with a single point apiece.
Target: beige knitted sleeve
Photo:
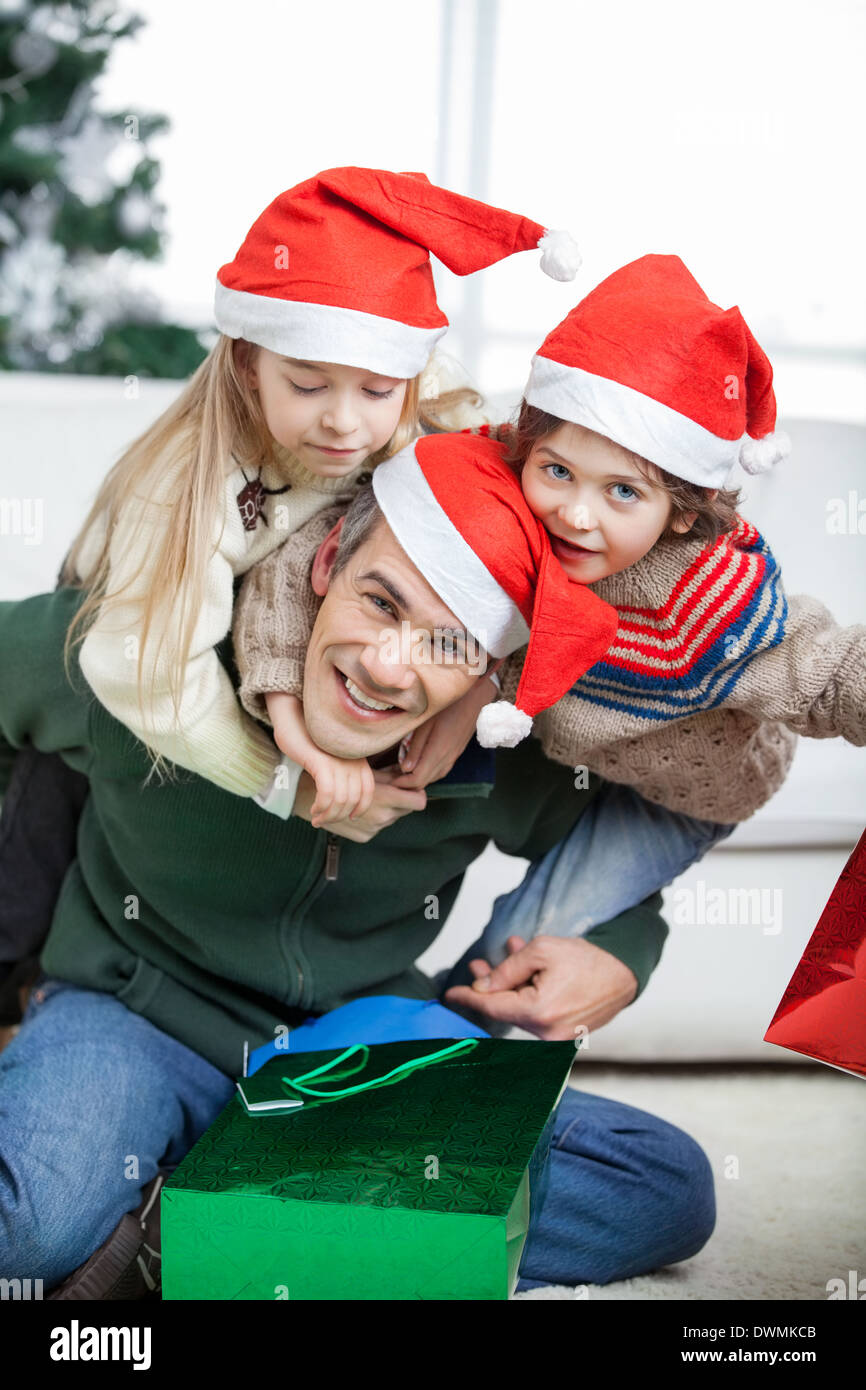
(814, 680)
(274, 616)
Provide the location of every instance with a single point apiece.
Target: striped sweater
(689, 652)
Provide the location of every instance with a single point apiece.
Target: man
(191, 923)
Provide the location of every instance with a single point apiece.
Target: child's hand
(390, 803)
(432, 749)
(344, 786)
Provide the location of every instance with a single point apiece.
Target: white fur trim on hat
(560, 257)
(760, 455)
(325, 333)
(637, 422)
(447, 561)
(502, 725)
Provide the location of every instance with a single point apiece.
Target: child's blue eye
(628, 489)
(562, 475)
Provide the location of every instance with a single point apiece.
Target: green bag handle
(396, 1074)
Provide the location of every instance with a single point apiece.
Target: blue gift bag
(379, 1018)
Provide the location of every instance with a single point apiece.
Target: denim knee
(628, 1194)
(677, 1192)
(691, 1196)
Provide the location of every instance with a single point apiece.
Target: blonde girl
(328, 320)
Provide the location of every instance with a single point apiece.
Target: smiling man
(359, 699)
(191, 923)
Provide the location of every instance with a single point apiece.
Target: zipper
(332, 859)
(330, 874)
(299, 907)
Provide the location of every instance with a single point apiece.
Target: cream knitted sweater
(696, 704)
(210, 733)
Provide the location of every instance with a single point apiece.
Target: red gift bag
(823, 1011)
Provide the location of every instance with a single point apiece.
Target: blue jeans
(94, 1100)
(621, 850)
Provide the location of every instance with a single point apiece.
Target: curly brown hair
(715, 515)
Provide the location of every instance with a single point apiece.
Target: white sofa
(717, 987)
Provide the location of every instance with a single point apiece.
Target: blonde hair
(216, 418)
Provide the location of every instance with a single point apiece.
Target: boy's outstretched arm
(813, 680)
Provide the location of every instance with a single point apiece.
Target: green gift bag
(416, 1188)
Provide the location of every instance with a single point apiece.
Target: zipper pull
(332, 859)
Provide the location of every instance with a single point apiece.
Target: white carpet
(796, 1215)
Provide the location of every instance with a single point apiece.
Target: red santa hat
(648, 361)
(337, 269)
(458, 511)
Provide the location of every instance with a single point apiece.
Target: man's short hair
(362, 518)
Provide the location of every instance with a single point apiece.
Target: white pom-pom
(501, 725)
(560, 258)
(760, 455)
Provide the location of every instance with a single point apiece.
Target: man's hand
(389, 804)
(549, 987)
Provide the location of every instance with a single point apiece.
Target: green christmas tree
(78, 203)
